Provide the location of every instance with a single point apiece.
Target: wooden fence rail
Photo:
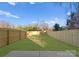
(68, 36)
(8, 36)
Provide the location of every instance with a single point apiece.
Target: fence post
(25, 34)
(19, 35)
(8, 37)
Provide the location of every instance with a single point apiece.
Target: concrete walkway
(40, 54)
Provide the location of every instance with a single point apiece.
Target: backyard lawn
(39, 43)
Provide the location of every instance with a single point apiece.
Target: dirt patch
(38, 41)
(30, 33)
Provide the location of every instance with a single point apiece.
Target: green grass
(52, 44)
(22, 45)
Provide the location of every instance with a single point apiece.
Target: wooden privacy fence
(8, 36)
(68, 36)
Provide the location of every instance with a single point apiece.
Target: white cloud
(32, 2)
(62, 22)
(53, 21)
(68, 13)
(8, 14)
(12, 3)
(50, 22)
(34, 22)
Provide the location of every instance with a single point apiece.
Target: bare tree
(4, 24)
(43, 25)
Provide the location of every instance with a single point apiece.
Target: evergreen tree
(56, 27)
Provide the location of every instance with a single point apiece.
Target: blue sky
(24, 13)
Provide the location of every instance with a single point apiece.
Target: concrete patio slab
(56, 54)
(39, 54)
(23, 54)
